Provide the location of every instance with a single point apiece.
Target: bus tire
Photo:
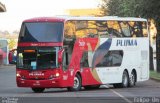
(125, 80)
(38, 90)
(77, 84)
(132, 79)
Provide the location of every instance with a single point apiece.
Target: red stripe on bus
(40, 44)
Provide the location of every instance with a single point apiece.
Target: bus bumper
(39, 83)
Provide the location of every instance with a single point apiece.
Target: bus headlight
(54, 76)
(57, 74)
(18, 75)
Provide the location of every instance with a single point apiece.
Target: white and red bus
(75, 52)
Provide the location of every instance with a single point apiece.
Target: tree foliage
(132, 8)
(135, 8)
(122, 7)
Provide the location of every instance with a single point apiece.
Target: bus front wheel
(38, 90)
(77, 84)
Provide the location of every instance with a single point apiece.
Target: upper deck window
(41, 32)
(105, 29)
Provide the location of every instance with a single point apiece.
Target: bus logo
(81, 43)
(127, 42)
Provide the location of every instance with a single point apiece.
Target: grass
(155, 75)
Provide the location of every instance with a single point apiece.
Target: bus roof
(66, 18)
(107, 18)
(45, 19)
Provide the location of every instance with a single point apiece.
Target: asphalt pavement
(143, 92)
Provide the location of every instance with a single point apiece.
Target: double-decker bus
(75, 52)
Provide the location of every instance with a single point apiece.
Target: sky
(19, 10)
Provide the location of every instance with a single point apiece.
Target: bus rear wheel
(125, 80)
(38, 90)
(77, 84)
(132, 79)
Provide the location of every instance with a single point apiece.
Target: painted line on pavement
(120, 95)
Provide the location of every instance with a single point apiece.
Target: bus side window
(144, 29)
(125, 28)
(69, 29)
(112, 58)
(114, 29)
(84, 60)
(92, 29)
(138, 29)
(132, 28)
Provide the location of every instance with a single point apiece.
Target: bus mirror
(60, 55)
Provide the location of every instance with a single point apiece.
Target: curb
(157, 80)
(4, 66)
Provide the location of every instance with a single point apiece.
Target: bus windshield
(39, 58)
(41, 32)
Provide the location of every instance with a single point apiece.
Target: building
(3, 43)
(85, 12)
(2, 7)
(4, 50)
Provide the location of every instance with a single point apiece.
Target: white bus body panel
(135, 56)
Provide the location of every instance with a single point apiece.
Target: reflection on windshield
(46, 60)
(41, 32)
(40, 59)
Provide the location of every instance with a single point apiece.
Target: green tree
(121, 7)
(135, 8)
(12, 44)
(150, 9)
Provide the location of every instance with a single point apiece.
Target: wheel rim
(76, 82)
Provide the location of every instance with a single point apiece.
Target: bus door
(85, 66)
(65, 71)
